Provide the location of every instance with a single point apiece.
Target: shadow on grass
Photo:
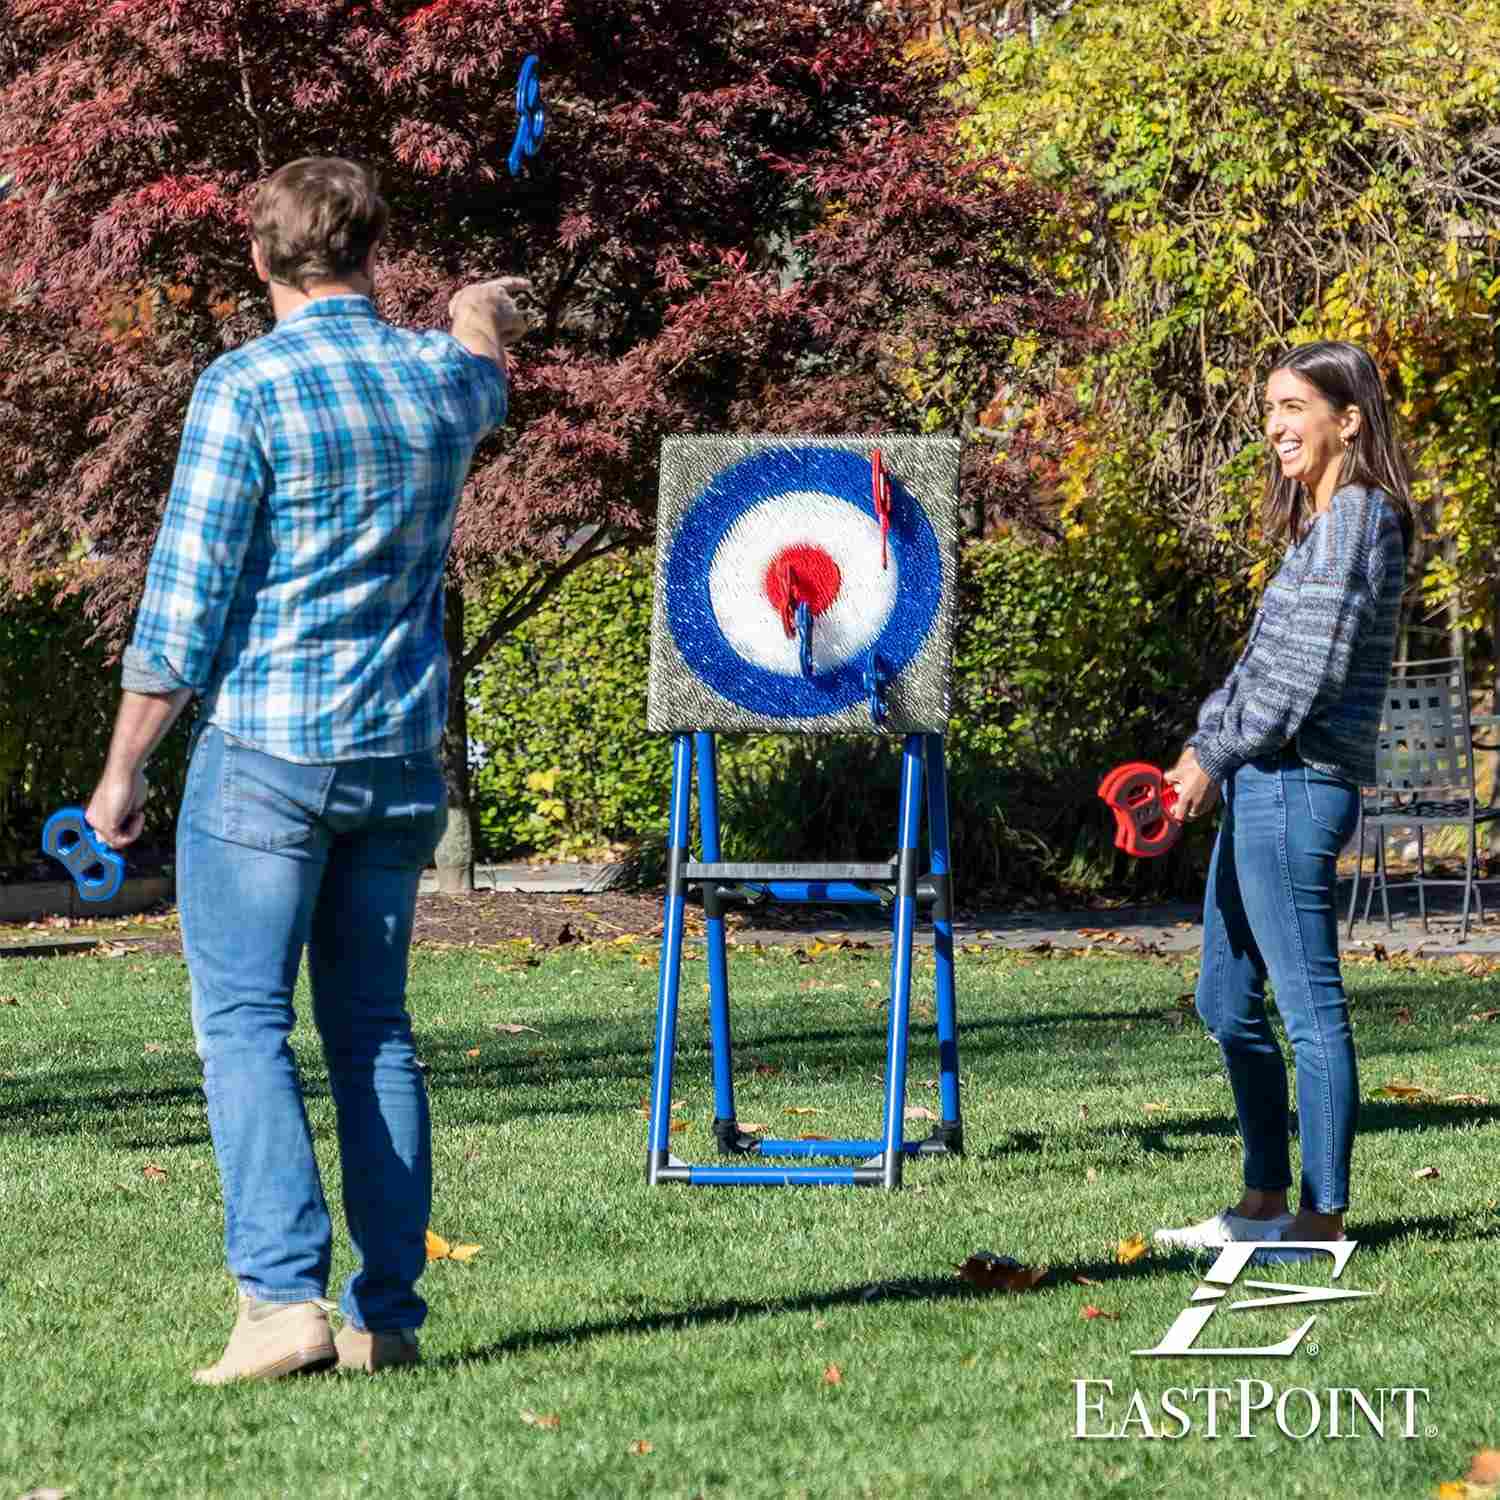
(613, 1053)
(928, 1289)
(923, 1289)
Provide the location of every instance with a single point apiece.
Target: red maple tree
(754, 217)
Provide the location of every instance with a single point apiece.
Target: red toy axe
(1142, 804)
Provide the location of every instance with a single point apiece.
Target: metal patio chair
(1424, 778)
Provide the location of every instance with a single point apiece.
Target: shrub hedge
(58, 694)
(1060, 671)
(1057, 677)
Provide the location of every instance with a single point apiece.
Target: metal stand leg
(879, 1160)
(901, 960)
(669, 975)
(1422, 875)
(1471, 860)
(1378, 880)
(726, 1130)
(1359, 861)
(949, 1136)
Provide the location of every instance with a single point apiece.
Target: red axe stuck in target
(1143, 807)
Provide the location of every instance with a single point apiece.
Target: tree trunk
(455, 850)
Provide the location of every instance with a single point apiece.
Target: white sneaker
(1222, 1229)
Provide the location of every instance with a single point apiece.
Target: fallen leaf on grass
(640, 1447)
(1091, 1312)
(1156, 1109)
(1404, 1016)
(814, 1137)
(1478, 1015)
(833, 1375)
(49, 1493)
(471, 1052)
(439, 1249)
(153, 1047)
(1130, 1250)
(999, 1273)
(766, 1070)
(646, 1106)
(1486, 1467)
(1399, 1090)
(1079, 1279)
(154, 1173)
(8, 1000)
(1426, 1172)
(512, 1028)
(753, 1127)
(919, 1112)
(800, 1109)
(1091, 1175)
(1465, 1099)
(550, 1420)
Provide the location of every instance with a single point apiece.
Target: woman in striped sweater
(1287, 741)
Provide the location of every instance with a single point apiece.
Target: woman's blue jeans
(1270, 912)
(274, 857)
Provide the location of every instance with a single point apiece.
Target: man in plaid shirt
(296, 588)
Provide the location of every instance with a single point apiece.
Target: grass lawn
(746, 1343)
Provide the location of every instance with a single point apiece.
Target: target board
(805, 584)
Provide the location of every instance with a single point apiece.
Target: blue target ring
(840, 475)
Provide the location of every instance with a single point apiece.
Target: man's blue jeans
(1270, 912)
(273, 857)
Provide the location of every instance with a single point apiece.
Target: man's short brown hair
(316, 218)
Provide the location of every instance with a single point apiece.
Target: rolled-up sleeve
(223, 473)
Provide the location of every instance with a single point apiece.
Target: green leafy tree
(1259, 173)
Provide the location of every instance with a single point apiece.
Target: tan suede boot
(271, 1339)
(370, 1352)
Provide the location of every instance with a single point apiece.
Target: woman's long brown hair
(1344, 375)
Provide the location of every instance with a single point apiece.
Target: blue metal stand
(896, 883)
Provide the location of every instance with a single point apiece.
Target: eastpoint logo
(1225, 1272)
(1298, 1411)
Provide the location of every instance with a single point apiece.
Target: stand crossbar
(894, 883)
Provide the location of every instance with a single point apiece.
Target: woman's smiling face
(1309, 436)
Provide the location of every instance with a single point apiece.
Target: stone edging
(30, 901)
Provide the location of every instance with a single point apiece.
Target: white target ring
(799, 523)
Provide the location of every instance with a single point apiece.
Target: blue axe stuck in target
(96, 869)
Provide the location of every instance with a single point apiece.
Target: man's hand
(116, 810)
(486, 320)
(1197, 791)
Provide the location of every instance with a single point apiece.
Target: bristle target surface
(748, 528)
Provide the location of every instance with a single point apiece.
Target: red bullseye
(801, 575)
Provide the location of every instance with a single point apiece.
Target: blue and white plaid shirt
(296, 584)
